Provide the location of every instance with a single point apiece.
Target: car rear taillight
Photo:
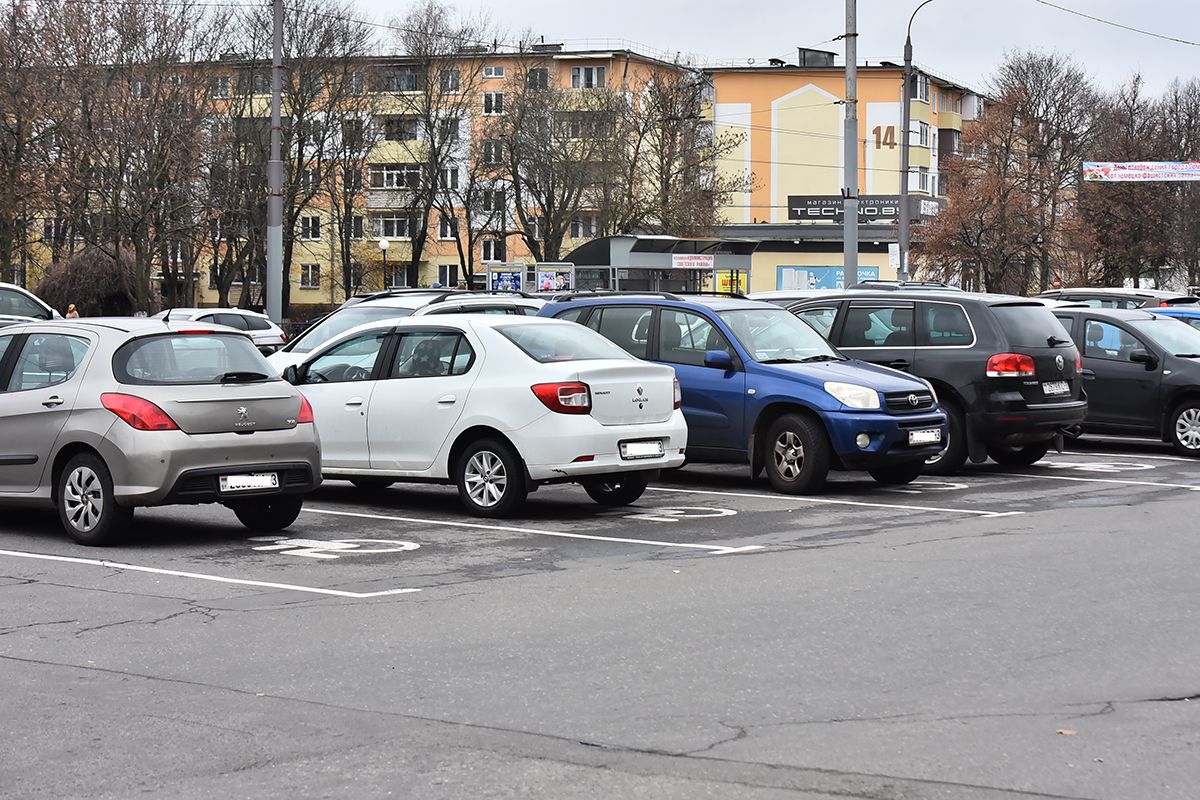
(197, 332)
(306, 413)
(137, 413)
(1010, 365)
(565, 398)
(283, 337)
(678, 394)
(1164, 304)
(1078, 361)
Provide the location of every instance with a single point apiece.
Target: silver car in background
(99, 416)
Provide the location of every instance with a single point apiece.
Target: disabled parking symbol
(331, 548)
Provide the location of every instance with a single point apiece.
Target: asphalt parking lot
(1026, 632)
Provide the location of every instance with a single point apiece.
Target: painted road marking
(1127, 455)
(798, 498)
(718, 550)
(1109, 467)
(329, 549)
(1120, 481)
(920, 487)
(676, 513)
(97, 562)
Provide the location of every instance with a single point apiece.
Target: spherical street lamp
(384, 244)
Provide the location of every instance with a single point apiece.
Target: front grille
(901, 402)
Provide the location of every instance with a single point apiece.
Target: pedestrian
(71, 312)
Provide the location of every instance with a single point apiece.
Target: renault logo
(640, 390)
(913, 400)
(1058, 362)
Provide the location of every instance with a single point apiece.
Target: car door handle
(1088, 374)
(899, 363)
(354, 401)
(447, 400)
(51, 402)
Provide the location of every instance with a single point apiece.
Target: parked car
(19, 303)
(267, 336)
(1142, 373)
(496, 404)
(760, 387)
(1188, 314)
(395, 305)
(100, 416)
(1121, 297)
(1003, 370)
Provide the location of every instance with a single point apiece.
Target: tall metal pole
(274, 278)
(905, 142)
(850, 141)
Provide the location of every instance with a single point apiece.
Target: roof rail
(714, 293)
(564, 297)
(897, 285)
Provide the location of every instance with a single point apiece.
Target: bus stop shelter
(663, 264)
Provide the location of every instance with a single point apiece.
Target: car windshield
(567, 342)
(341, 321)
(1030, 325)
(189, 359)
(774, 336)
(1173, 335)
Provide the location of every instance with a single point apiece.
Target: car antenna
(167, 316)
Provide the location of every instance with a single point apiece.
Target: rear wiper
(244, 376)
(1055, 341)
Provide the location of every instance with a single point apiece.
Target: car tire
(372, 484)
(898, 474)
(797, 455)
(952, 458)
(1185, 428)
(86, 504)
(268, 514)
(490, 478)
(1018, 455)
(616, 490)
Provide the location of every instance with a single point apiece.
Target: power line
(1109, 22)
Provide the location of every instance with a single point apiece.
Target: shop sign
(693, 261)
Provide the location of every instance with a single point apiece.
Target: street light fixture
(906, 116)
(384, 244)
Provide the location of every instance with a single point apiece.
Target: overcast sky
(962, 39)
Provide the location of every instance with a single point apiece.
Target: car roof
(936, 295)
(694, 301)
(130, 325)
(1126, 314)
(1116, 290)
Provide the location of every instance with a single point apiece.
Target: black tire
(898, 474)
(371, 484)
(796, 455)
(1018, 455)
(952, 458)
(268, 514)
(616, 490)
(87, 507)
(488, 467)
(1184, 430)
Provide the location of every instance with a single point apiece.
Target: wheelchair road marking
(800, 498)
(199, 576)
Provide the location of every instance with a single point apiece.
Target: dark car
(1120, 297)
(1003, 370)
(1142, 373)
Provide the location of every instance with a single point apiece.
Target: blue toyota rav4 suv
(761, 386)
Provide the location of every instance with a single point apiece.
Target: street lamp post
(906, 136)
(384, 244)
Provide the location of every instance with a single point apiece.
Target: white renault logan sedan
(498, 405)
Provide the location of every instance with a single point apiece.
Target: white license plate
(645, 449)
(928, 436)
(246, 483)
(1056, 387)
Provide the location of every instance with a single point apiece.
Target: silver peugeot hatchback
(99, 416)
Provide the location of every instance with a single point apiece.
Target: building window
(493, 151)
(587, 77)
(493, 104)
(356, 227)
(400, 80)
(923, 134)
(922, 179)
(491, 250)
(536, 229)
(448, 80)
(449, 129)
(354, 84)
(310, 276)
(537, 79)
(493, 200)
(448, 274)
(219, 87)
(51, 229)
(493, 72)
(450, 177)
(352, 180)
(400, 129)
(310, 179)
(352, 134)
(396, 276)
(395, 226)
(447, 227)
(310, 229)
(922, 88)
(395, 176)
(260, 83)
(933, 185)
(583, 226)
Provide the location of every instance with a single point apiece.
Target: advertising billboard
(1141, 171)
(505, 280)
(788, 277)
(556, 279)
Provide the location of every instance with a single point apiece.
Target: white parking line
(1131, 455)
(835, 501)
(1040, 476)
(719, 550)
(97, 562)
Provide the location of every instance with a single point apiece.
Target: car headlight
(853, 395)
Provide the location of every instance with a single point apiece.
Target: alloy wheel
(789, 455)
(485, 478)
(1187, 428)
(83, 499)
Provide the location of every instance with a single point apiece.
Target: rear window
(1030, 326)
(549, 343)
(189, 359)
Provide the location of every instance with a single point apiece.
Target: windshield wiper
(781, 361)
(244, 376)
(1187, 355)
(810, 359)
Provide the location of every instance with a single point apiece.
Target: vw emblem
(242, 413)
(640, 390)
(913, 400)
(1058, 362)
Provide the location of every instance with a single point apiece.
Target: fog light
(862, 440)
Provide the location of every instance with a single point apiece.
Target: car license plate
(246, 483)
(1056, 387)
(927, 436)
(652, 448)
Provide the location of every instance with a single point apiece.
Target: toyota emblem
(1058, 362)
(913, 400)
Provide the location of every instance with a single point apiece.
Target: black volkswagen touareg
(1003, 367)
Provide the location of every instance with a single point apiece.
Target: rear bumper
(1036, 424)
(550, 450)
(888, 437)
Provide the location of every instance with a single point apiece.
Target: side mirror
(1142, 357)
(292, 375)
(718, 359)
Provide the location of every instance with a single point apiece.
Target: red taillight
(139, 414)
(305, 416)
(1164, 304)
(1078, 362)
(678, 394)
(1010, 365)
(283, 337)
(197, 332)
(565, 398)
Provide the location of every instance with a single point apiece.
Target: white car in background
(17, 304)
(266, 335)
(496, 404)
(397, 304)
